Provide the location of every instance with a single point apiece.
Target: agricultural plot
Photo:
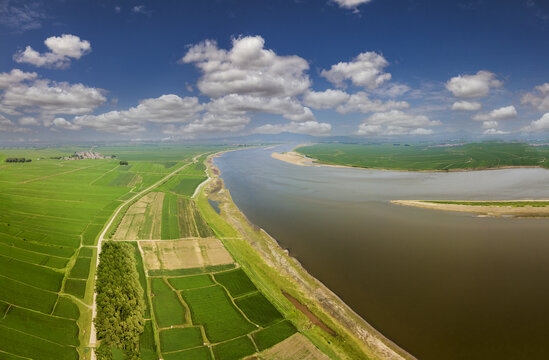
(258, 309)
(201, 353)
(423, 157)
(191, 282)
(234, 349)
(272, 335)
(143, 219)
(236, 281)
(294, 347)
(184, 254)
(168, 308)
(180, 338)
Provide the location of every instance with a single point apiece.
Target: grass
(201, 353)
(147, 344)
(258, 309)
(167, 307)
(234, 349)
(180, 339)
(236, 281)
(271, 336)
(212, 308)
(191, 282)
(423, 157)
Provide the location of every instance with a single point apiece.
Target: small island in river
(512, 208)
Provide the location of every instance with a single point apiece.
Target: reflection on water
(441, 285)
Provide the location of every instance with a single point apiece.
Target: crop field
(167, 307)
(184, 254)
(143, 219)
(234, 349)
(180, 338)
(424, 157)
(258, 309)
(236, 281)
(294, 347)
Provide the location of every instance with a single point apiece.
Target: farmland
(51, 212)
(424, 157)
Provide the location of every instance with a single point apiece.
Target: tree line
(17, 160)
(120, 305)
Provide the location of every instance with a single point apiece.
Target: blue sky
(176, 70)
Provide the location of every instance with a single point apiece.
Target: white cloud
(538, 98)
(364, 70)
(360, 102)
(396, 122)
(141, 9)
(507, 112)
(50, 98)
(247, 69)
(212, 123)
(241, 104)
(327, 99)
(28, 121)
(466, 106)
(540, 125)
(62, 49)
(490, 124)
(350, 4)
(493, 131)
(473, 86)
(164, 109)
(15, 76)
(307, 127)
(64, 124)
(393, 90)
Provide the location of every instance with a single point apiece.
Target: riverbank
(276, 272)
(481, 207)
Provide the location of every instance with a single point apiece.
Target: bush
(122, 162)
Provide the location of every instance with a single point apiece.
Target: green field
(258, 309)
(167, 307)
(49, 208)
(191, 282)
(180, 339)
(425, 157)
(234, 349)
(236, 281)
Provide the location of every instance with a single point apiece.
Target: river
(441, 285)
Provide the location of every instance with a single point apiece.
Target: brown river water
(441, 285)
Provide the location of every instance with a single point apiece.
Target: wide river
(441, 285)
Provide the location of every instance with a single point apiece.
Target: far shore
(296, 158)
(481, 210)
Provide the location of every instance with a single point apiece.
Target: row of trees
(123, 162)
(17, 160)
(120, 304)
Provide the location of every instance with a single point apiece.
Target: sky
(178, 70)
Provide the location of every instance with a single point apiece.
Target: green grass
(234, 349)
(219, 226)
(191, 282)
(192, 271)
(142, 277)
(58, 330)
(258, 309)
(180, 339)
(187, 185)
(423, 157)
(26, 296)
(236, 281)
(37, 276)
(273, 335)
(81, 268)
(66, 308)
(494, 203)
(201, 353)
(212, 308)
(90, 234)
(122, 179)
(147, 345)
(76, 287)
(167, 306)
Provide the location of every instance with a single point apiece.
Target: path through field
(93, 337)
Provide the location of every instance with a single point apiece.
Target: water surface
(441, 285)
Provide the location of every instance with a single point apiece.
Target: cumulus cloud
(473, 86)
(540, 125)
(50, 98)
(327, 99)
(466, 106)
(396, 122)
(493, 131)
(490, 124)
(62, 49)
(247, 69)
(350, 4)
(506, 112)
(241, 104)
(307, 127)
(360, 102)
(364, 70)
(539, 98)
(393, 90)
(7, 125)
(64, 124)
(15, 76)
(164, 109)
